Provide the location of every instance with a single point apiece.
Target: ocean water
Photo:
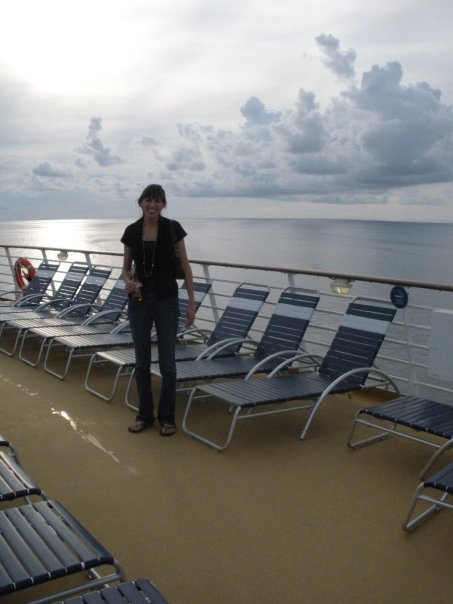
(404, 250)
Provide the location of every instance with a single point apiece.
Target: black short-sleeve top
(159, 279)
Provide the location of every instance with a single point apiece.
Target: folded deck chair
(42, 542)
(410, 417)
(15, 482)
(281, 339)
(232, 327)
(34, 291)
(433, 489)
(346, 367)
(85, 345)
(77, 308)
(138, 591)
(102, 319)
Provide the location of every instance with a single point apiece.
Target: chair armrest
(219, 346)
(52, 302)
(280, 353)
(124, 326)
(213, 348)
(432, 460)
(73, 307)
(194, 332)
(100, 315)
(313, 360)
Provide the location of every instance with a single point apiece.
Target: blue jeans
(143, 314)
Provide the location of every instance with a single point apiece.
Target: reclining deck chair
(233, 325)
(101, 319)
(346, 367)
(77, 346)
(49, 306)
(35, 290)
(32, 303)
(440, 483)
(281, 339)
(77, 308)
(138, 591)
(42, 542)
(420, 418)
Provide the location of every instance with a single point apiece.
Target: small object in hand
(137, 294)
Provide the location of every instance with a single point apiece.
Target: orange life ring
(24, 271)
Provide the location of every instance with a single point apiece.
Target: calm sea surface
(386, 249)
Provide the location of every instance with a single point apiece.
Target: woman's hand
(190, 312)
(132, 286)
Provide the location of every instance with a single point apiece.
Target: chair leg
(203, 439)
(382, 434)
(119, 373)
(128, 389)
(437, 504)
(62, 375)
(33, 362)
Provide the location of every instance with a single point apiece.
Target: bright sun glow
(59, 46)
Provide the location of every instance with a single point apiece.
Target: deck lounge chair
(35, 290)
(410, 417)
(86, 344)
(42, 542)
(101, 319)
(49, 305)
(347, 366)
(281, 339)
(138, 591)
(433, 489)
(76, 308)
(232, 327)
(63, 293)
(15, 482)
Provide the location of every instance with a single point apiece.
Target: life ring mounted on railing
(24, 271)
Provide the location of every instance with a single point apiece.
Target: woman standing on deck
(149, 272)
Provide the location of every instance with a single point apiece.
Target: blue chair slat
(441, 480)
(139, 591)
(14, 481)
(43, 541)
(415, 412)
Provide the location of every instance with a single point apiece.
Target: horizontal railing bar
(287, 270)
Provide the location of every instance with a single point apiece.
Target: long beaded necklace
(148, 275)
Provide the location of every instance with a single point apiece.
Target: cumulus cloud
(375, 136)
(374, 141)
(50, 170)
(341, 62)
(95, 148)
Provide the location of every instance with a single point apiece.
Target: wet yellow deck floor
(271, 519)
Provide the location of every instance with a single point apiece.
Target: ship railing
(405, 354)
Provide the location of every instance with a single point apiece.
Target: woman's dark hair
(153, 192)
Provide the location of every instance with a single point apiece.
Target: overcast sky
(237, 107)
